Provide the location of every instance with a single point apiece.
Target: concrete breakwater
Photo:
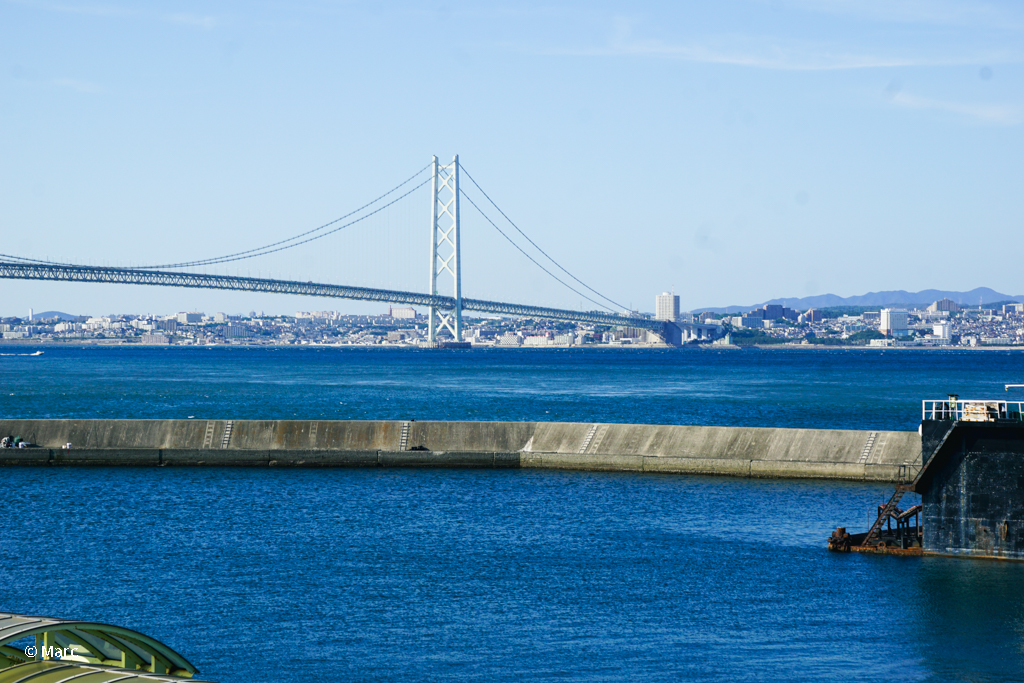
(734, 451)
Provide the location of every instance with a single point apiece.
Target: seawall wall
(734, 451)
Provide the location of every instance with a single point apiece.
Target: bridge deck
(130, 276)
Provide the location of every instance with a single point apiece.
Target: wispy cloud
(935, 12)
(204, 22)
(989, 113)
(77, 85)
(94, 10)
(772, 52)
(773, 55)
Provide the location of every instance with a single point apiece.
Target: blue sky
(736, 151)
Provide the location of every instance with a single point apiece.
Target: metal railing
(972, 410)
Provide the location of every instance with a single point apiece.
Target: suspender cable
(512, 242)
(539, 249)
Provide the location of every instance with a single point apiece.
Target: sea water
(506, 575)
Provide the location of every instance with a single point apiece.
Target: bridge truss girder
(131, 276)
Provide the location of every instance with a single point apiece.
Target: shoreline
(43, 344)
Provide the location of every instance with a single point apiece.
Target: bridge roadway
(131, 276)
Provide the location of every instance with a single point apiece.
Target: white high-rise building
(942, 330)
(893, 321)
(666, 307)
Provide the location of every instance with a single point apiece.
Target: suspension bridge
(444, 301)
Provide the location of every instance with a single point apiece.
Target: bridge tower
(445, 259)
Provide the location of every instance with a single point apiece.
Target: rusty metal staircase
(884, 513)
(902, 487)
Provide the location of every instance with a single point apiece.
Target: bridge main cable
(134, 276)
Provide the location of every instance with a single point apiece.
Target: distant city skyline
(942, 324)
(736, 152)
(976, 297)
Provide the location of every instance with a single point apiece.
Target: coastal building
(942, 331)
(893, 322)
(186, 318)
(931, 341)
(666, 307)
(509, 339)
(538, 340)
(402, 313)
(1013, 309)
(813, 316)
(944, 305)
(747, 322)
(773, 312)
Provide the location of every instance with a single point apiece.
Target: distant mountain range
(981, 295)
(50, 315)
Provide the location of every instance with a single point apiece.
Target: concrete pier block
(318, 458)
(435, 459)
(25, 456)
(507, 460)
(107, 457)
(790, 469)
(592, 462)
(215, 458)
(733, 467)
(685, 449)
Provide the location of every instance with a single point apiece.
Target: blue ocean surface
(503, 575)
(840, 389)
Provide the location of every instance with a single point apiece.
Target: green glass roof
(57, 671)
(58, 649)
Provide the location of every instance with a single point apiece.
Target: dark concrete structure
(972, 487)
